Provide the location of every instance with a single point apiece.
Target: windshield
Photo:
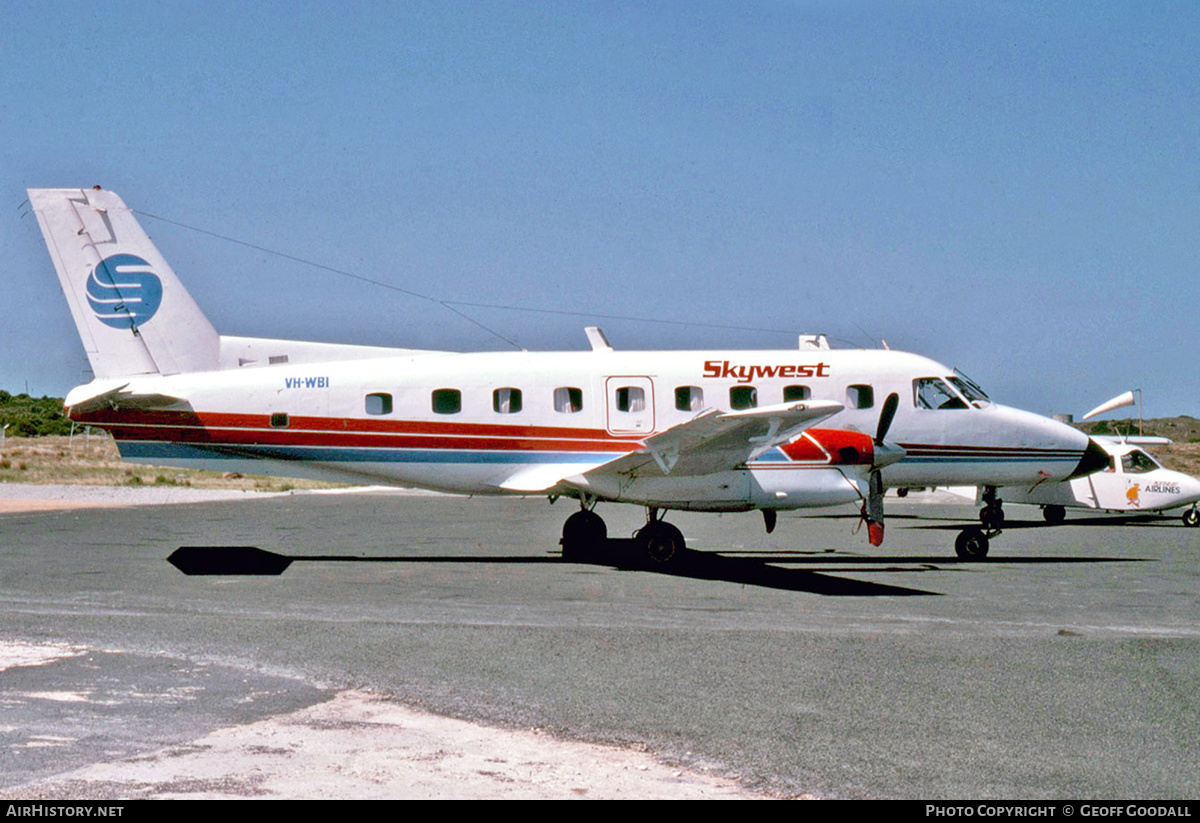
(932, 393)
(1138, 462)
(970, 389)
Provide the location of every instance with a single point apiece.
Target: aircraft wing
(715, 441)
(712, 441)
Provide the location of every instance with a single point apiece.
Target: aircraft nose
(1094, 459)
(1191, 489)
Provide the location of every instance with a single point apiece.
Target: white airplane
(718, 431)
(1132, 482)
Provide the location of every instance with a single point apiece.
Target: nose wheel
(972, 543)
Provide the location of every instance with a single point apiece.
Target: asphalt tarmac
(1066, 665)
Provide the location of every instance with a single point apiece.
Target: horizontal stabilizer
(121, 398)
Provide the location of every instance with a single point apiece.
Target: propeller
(884, 455)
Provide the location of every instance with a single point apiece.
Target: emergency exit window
(631, 399)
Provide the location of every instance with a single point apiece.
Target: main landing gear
(584, 534)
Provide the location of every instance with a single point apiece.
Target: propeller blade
(874, 508)
(886, 414)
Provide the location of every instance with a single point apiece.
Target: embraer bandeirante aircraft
(718, 431)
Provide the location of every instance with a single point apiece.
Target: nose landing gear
(973, 542)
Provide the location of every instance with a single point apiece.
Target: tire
(972, 544)
(1054, 514)
(660, 541)
(583, 533)
(1191, 517)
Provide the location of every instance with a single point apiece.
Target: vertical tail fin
(133, 314)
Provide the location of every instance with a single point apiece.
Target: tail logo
(123, 291)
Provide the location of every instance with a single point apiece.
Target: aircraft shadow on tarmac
(753, 568)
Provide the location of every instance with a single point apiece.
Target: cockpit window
(970, 390)
(1138, 462)
(933, 393)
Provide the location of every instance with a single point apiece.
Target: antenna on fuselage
(595, 336)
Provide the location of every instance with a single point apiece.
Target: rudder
(132, 313)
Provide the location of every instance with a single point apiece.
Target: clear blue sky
(1010, 188)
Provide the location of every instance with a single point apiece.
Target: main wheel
(1054, 514)
(1191, 517)
(992, 518)
(660, 541)
(972, 544)
(583, 532)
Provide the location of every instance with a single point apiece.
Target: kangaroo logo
(123, 291)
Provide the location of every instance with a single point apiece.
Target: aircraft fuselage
(469, 423)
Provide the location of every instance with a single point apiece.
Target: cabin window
(447, 401)
(279, 420)
(743, 397)
(379, 403)
(689, 398)
(792, 394)
(631, 399)
(860, 397)
(568, 400)
(932, 393)
(506, 401)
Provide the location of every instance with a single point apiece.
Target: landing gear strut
(992, 513)
(1191, 517)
